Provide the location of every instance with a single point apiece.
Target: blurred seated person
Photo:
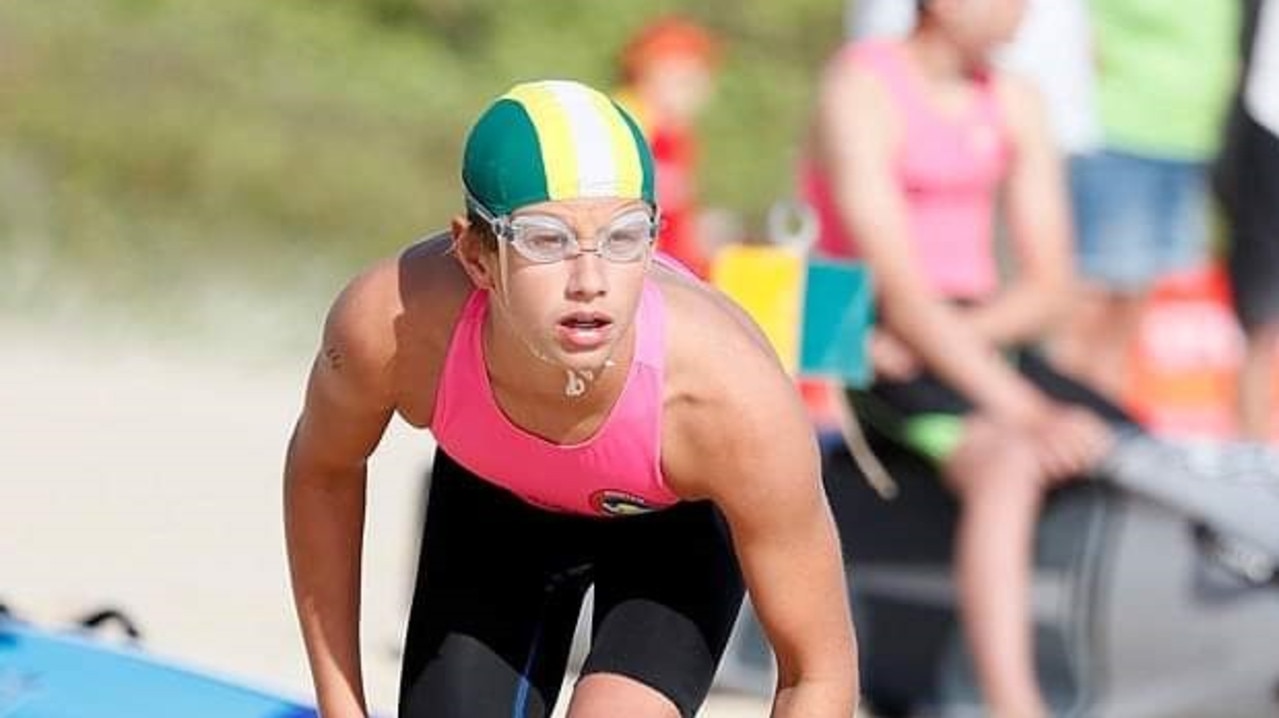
(916, 142)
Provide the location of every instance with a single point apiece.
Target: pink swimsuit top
(615, 472)
(950, 168)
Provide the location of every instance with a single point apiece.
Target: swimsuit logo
(611, 502)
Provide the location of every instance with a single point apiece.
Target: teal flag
(836, 322)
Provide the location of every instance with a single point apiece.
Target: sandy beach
(147, 478)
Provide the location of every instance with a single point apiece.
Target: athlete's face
(573, 274)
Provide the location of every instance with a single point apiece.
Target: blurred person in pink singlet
(915, 142)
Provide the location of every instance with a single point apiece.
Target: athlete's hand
(1069, 441)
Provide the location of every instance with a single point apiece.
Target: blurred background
(173, 165)
(185, 185)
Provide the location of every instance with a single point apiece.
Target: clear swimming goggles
(543, 239)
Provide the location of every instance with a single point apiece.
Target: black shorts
(500, 585)
(924, 415)
(1252, 206)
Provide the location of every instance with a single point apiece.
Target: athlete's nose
(587, 278)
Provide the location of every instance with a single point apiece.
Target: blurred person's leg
(1095, 342)
(1253, 207)
(1121, 208)
(1255, 397)
(1000, 490)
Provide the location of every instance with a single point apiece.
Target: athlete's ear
(477, 260)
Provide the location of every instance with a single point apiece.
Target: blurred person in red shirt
(667, 75)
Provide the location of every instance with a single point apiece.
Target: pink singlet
(615, 472)
(950, 168)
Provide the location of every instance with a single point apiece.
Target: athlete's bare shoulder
(726, 391)
(431, 283)
(390, 325)
(410, 286)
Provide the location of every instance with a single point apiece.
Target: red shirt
(675, 154)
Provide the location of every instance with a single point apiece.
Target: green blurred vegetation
(174, 160)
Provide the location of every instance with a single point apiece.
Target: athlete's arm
(1037, 216)
(747, 445)
(348, 404)
(857, 137)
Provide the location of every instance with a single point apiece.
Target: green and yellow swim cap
(552, 140)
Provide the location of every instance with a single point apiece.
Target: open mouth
(585, 330)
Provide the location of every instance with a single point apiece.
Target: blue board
(45, 674)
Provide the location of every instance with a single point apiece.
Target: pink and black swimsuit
(517, 528)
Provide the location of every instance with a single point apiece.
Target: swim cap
(552, 140)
